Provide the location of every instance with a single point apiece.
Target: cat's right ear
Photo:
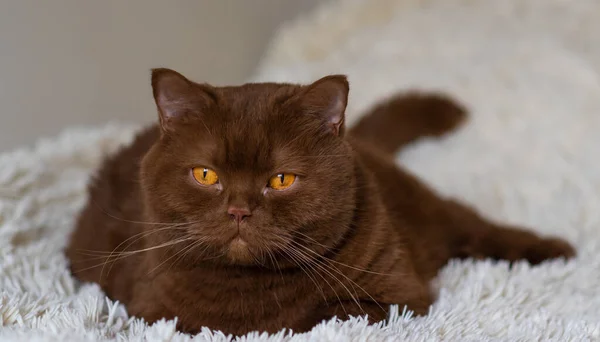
(177, 98)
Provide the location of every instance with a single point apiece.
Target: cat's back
(113, 209)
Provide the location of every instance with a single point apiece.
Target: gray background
(70, 62)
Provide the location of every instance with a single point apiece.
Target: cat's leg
(485, 239)
(457, 231)
(441, 229)
(406, 117)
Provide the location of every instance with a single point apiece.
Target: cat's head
(250, 173)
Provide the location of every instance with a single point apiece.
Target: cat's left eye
(282, 181)
(205, 176)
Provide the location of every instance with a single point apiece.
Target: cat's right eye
(205, 176)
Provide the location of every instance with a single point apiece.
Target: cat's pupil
(204, 173)
(281, 177)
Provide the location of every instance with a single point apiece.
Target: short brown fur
(353, 235)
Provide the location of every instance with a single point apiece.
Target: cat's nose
(238, 214)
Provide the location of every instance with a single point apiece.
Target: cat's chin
(239, 252)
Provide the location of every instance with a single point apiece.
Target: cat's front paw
(548, 248)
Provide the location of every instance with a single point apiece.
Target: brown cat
(252, 208)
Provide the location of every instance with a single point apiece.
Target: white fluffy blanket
(530, 72)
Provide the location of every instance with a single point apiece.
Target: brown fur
(353, 235)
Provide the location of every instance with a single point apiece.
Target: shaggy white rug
(529, 71)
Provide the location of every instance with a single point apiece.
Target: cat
(253, 208)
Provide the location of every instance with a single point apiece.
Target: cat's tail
(406, 117)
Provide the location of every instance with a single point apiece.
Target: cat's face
(255, 172)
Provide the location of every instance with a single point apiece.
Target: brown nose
(238, 214)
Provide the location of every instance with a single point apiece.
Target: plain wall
(74, 62)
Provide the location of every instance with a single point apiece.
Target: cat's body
(353, 234)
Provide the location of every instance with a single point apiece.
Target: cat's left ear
(328, 98)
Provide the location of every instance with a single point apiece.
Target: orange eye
(205, 176)
(282, 181)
